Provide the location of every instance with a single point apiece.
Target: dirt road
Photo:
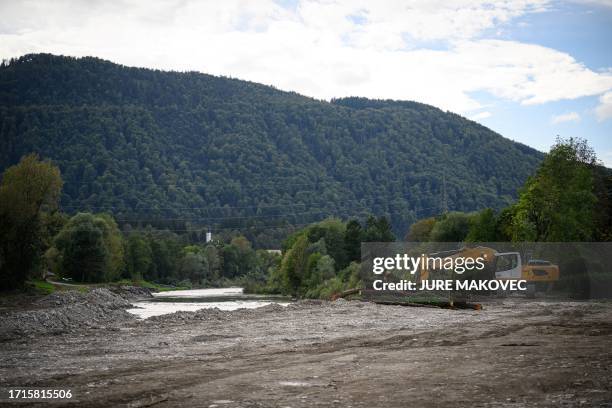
(347, 354)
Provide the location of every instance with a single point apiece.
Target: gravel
(513, 353)
(65, 312)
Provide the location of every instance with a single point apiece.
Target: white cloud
(316, 48)
(604, 3)
(565, 117)
(481, 115)
(606, 158)
(604, 110)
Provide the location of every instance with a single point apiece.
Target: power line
(224, 207)
(217, 220)
(288, 183)
(444, 195)
(214, 229)
(204, 229)
(288, 180)
(223, 175)
(239, 217)
(196, 218)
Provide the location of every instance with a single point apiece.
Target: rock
(133, 292)
(63, 312)
(272, 307)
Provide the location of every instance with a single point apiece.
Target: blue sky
(528, 69)
(583, 31)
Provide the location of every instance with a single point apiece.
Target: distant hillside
(149, 146)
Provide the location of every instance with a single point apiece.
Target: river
(192, 300)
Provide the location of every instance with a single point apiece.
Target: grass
(41, 286)
(149, 285)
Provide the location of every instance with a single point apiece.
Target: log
(441, 305)
(345, 293)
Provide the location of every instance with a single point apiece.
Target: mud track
(511, 354)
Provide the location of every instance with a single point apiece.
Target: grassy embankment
(42, 287)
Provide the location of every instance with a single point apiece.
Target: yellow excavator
(503, 266)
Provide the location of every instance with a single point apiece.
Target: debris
(435, 304)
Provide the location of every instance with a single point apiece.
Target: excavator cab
(508, 265)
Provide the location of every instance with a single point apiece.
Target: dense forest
(568, 199)
(189, 151)
(38, 241)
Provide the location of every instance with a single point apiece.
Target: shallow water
(196, 299)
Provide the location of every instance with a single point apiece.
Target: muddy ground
(514, 353)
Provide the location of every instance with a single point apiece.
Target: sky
(530, 70)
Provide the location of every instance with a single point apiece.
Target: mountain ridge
(153, 145)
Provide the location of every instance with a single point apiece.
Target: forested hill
(198, 150)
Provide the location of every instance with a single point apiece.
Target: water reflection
(196, 299)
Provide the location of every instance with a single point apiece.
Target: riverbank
(70, 311)
(315, 353)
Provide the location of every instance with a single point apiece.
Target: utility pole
(444, 195)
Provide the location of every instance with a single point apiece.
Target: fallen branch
(347, 292)
(440, 305)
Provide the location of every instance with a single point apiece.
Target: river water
(196, 299)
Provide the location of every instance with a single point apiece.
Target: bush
(90, 249)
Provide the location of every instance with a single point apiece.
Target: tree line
(568, 199)
(323, 258)
(37, 238)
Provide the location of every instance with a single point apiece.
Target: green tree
(352, 241)
(113, 241)
(90, 248)
(293, 267)
(557, 203)
(193, 265)
(238, 257)
(483, 227)
(325, 268)
(312, 260)
(378, 230)
(420, 231)
(451, 227)
(603, 208)
(29, 193)
(333, 232)
(138, 257)
(166, 252)
(504, 223)
(241, 243)
(213, 262)
(262, 267)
